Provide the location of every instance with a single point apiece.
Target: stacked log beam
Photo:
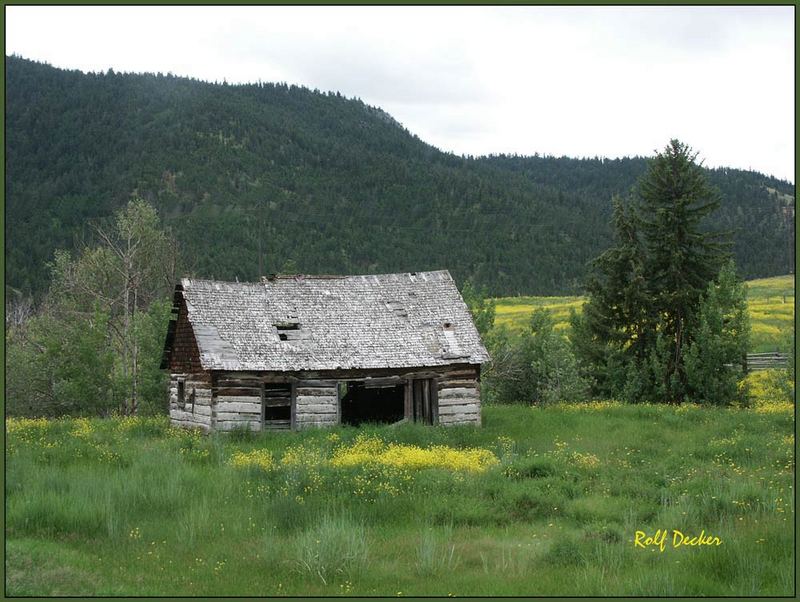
(459, 397)
(197, 409)
(237, 405)
(316, 404)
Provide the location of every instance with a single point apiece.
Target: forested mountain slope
(318, 182)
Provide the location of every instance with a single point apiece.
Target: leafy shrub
(535, 366)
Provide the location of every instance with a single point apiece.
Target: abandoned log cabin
(292, 352)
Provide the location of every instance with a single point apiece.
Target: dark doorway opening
(384, 404)
(276, 406)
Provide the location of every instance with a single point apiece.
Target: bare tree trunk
(143, 256)
(126, 329)
(127, 259)
(18, 310)
(135, 375)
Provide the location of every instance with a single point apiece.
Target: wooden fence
(763, 361)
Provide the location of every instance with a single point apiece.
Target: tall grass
(95, 507)
(436, 551)
(334, 548)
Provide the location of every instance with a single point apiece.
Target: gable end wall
(184, 364)
(185, 357)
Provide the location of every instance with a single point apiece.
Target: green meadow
(538, 501)
(770, 300)
(598, 498)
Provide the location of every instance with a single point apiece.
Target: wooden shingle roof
(292, 323)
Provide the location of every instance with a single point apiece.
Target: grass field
(515, 312)
(771, 304)
(770, 300)
(539, 501)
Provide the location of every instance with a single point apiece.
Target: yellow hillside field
(770, 300)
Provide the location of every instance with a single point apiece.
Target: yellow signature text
(660, 539)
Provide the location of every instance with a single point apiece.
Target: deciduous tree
(105, 304)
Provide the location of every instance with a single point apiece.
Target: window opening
(276, 405)
(287, 329)
(181, 393)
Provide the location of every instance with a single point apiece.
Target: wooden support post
(426, 401)
(408, 410)
(293, 411)
(418, 414)
(263, 405)
(338, 402)
(434, 388)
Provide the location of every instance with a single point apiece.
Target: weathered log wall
(459, 397)
(197, 409)
(238, 402)
(233, 400)
(316, 404)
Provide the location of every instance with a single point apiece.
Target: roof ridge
(273, 277)
(303, 276)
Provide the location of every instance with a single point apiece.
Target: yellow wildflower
(258, 458)
(83, 428)
(371, 450)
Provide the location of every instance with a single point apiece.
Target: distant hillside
(328, 184)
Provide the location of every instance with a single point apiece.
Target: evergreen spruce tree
(644, 294)
(717, 357)
(615, 318)
(681, 259)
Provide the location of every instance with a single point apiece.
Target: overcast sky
(577, 81)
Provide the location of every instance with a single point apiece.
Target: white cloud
(579, 81)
